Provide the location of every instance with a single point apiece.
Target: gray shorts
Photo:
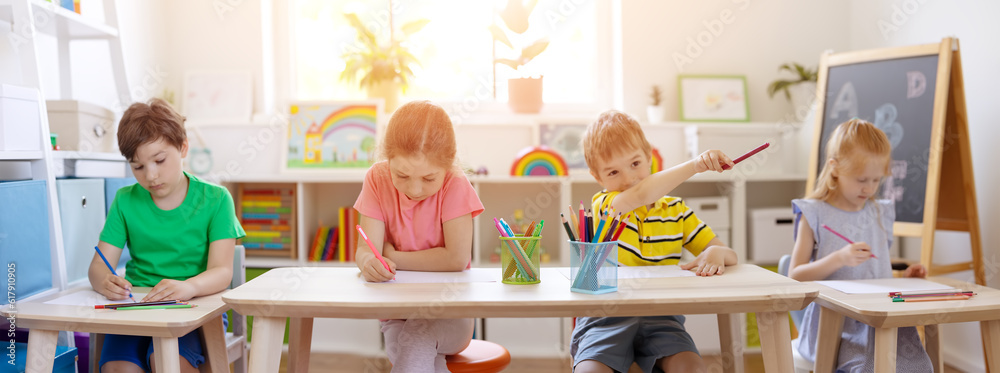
(618, 341)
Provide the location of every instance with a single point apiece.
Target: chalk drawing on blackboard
(885, 120)
(916, 84)
(893, 190)
(847, 100)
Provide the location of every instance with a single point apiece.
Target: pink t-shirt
(415, 225)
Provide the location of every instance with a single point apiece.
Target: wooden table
(309, 292)
(165, 326)
(878, 311)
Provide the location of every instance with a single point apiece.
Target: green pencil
(156, 307)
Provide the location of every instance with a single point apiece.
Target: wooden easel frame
(949, 165)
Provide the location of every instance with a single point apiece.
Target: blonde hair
(613, 133)
(420, 128)
(852, 145)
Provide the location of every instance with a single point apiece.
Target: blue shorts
(137, 349)
(619, 341)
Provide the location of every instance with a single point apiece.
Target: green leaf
(500, 36)
(531, 51)
(365, 35)
(779, 85)
(412, 27)
(509, 62)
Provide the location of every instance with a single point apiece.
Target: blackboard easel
(945, 165)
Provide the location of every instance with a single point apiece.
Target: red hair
(420, 128)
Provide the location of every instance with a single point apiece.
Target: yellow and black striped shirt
(655, 236)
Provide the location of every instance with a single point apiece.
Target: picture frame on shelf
(564, 138)
(331, 135)
(713, 98)
(218, 96)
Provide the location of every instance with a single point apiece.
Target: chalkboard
(897, 95)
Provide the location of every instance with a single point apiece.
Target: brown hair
(149, 122)
(420, 128)
(611, 134)
(852, 145)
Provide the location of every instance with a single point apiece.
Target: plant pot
(803, 96)
(524, 95)
(387, 90)
(655, 114)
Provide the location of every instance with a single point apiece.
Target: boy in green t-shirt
(181, 232)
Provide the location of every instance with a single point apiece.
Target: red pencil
(621, 227)
(747, 155)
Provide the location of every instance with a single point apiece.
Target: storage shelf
(77, 26)
(272, 262)
(21, 155)
(97, 156)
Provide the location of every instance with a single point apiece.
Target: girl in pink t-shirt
(417, 206)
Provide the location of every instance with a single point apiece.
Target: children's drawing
(331, 135)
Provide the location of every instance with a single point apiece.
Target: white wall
(758, 37)
(908, 22)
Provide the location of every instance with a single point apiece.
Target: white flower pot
(655, 114)
(803, 96)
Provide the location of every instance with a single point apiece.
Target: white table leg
(885, 349)
(216, 356)
(41, 350)
(166, 355)
(299, 344)
(991, 344)
(775, 341)
(932, 343)
(265, 347)
(731, 343)
(831, 324)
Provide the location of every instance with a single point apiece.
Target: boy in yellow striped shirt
(618, 155)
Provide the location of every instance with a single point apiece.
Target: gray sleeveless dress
(873, 225)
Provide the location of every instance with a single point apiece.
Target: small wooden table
(308, 292)
(165, 326)
(880, 312)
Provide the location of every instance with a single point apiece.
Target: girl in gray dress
(857, 158)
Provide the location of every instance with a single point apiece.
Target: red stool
(480, 357)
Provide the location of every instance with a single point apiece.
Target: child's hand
(170, 290)
(114, 287)
(710, 262)
(374, 271)
(915, 270)
(712, 160)
(854, 254)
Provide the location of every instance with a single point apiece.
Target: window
(455, 49)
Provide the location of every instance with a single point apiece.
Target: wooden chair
(220, 348)
(480, 357)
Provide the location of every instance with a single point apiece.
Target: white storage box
(779, 158)
(82, 126)
(771, 234)
(20, 125)
(714, 211)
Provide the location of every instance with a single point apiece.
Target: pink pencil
(842, 236)
(747, 155)
(374, 251)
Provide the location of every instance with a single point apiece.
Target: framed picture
(564, 138)
(218, 97)
(331, 135)
(706, 98)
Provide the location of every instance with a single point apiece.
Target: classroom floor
(345, 363)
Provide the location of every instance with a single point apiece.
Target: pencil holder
(593, 267)
(519, 257)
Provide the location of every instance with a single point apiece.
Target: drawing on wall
(565, 140)
(223, 97)
(713, 98)
(331, 135)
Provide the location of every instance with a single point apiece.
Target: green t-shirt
(170, 244)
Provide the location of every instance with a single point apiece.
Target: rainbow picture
(331, 135)
(538, 161)
(656, 161)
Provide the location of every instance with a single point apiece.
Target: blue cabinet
(25, 248)
(82, 208)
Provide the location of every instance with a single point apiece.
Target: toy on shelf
(538, 161)
(656, 161)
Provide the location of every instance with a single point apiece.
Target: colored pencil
(162, 306)
(613, 228)
(583, 224)
(378, 255)
(930, 299)
(842, 236)
(600, 227)
(569, 231)
(747, 155)
(574, 221)
(621, 227)
(113, 271)
(928, 292)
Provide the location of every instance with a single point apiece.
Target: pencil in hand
(842, 237)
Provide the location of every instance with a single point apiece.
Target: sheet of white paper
(629, 272)
(884, 285)
(469, 275)
(89, 298)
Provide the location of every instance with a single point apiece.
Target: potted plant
(525, 93)
(383, 70)
(800, 91)
(655, 112)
